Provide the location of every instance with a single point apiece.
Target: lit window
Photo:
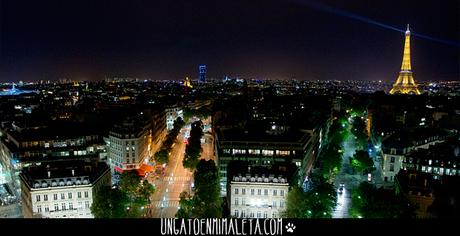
(268, 152)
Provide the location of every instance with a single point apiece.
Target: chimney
(49, 174)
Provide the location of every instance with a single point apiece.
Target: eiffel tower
(405, 83)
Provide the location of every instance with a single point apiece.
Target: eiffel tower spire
(405, 83)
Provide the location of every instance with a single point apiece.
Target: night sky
(88, 39)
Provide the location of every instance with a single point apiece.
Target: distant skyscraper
(405, 83)
(202, 73)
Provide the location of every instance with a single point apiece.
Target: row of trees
(371, 202)
(206, 201)
(202, 113)
(317, 202)
(162, 156)
(193, 148)
(128, 200)
(331, 157)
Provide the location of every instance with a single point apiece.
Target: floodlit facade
(62, 190)
(255, 196)
(399, 145)
(172, 114)
(129, 144)
(405, 84)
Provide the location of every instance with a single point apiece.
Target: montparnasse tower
(405, 83)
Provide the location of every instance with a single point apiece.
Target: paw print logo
(290, 228)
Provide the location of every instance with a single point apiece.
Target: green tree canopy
(361, 161)
(317, 202)
(206, 201)
(370, 202)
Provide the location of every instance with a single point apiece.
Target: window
(39, 209)
(45, 197)
(281, 203)
(392, 167)
(274, 204)
(259, 191)
(236, 191)
(282, 193)
(243, 191)
(70, 195)
(63, 206)
(236, 201)
(79, 194)
(236, 213)
(266, 192)
(70, 206)
(392, 159)
(243, 201)
(254, 151)
(393, 151)
(282, 153)
(275, 192)
(429, 162)
(265, 214)
(38, 198)
(86, 194)
(239, 151)
(274, 215)
(268, 152)
(55, 196)
(251, 215)
(56, 207)
(259, 215)
(243, 214)
(252, 191)
(62, 196)
(86, 204)
(47, 209)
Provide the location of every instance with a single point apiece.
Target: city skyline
(306, 40)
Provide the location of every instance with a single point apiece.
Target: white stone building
(62, 189)
(258, 196)
(129, 145)
(400, 144)
(172, 113)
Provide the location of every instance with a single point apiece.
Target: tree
(361, 161)
(109, 203)
(359, 130)
(193, 148)
(206, 202)
(128, 200)
(162, 156)
(370, 202)
(318, 202)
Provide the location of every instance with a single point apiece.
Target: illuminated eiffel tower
(405, 83)
(187, 83)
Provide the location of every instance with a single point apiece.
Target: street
(165, 200)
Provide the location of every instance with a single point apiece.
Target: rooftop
(63, 173)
